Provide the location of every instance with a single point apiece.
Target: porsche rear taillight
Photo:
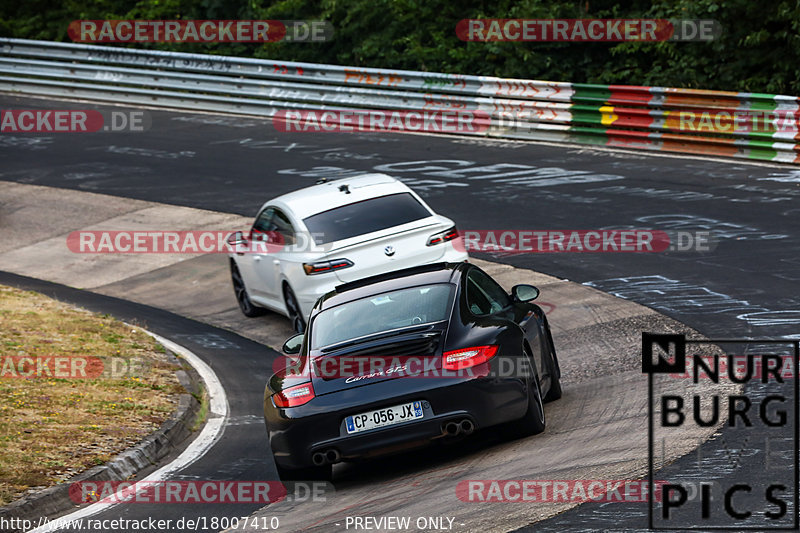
(467, 357)
(320, 267)
(444, 236)
(294, 396)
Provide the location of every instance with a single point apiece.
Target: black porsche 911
(401, 359)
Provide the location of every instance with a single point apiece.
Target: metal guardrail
(744, 125)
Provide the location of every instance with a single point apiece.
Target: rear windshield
(383, 312)
(363, 217)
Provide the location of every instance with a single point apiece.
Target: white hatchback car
(305, 243)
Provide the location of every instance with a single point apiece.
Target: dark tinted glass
(261, 225)
(281, 224)
(484, 295)
(383, 312)
(370, 215)
(270, 223)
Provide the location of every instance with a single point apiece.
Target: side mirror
(293, 344)
(237, 238)
(524, 293)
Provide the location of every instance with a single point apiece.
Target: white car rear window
(364, 217)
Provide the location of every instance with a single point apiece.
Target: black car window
(364, 217)
(381, 312)
(280, 224)
(484, 295)
(272, 225)
(262, 223)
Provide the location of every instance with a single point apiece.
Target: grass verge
(76, 388)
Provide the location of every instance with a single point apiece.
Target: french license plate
(384, 417)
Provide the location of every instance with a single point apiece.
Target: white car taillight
(444, 236)
(321, 267)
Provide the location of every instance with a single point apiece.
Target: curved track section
(598, 430)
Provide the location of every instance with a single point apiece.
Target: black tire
(248, 308)
(533, 422)
(293, 309)
(555, 391)
(312, 473)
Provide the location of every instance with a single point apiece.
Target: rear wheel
(293, 309)
(245, 305)
(533, 422)
(555, 372)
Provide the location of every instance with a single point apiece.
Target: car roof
(329, 195)
(389, 281)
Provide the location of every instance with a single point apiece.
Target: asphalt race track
(745, 287)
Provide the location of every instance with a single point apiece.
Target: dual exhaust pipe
(329, 456)
(452, 428)
(458, 427)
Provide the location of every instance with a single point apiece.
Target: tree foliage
(758, 51)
